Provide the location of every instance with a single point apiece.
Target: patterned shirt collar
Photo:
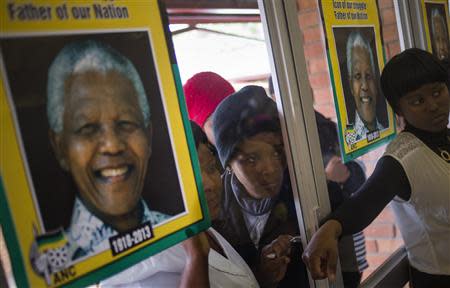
(91, 235)
(361, 129)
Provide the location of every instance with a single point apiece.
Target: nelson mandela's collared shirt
(361, 129)
(88, 234)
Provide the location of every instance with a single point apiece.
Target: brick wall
(382, 237)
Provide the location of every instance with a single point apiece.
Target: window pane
(382, 238)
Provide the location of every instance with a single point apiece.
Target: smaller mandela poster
(356, 59)
(436, 22)
(98, 170)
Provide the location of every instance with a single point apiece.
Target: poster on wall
(356, 59)
(98, 166)
(436, 22)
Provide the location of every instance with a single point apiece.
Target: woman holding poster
(416, 85)
(206, 259)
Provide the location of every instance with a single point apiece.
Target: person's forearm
(195, 273)
(333, 228)
(387, 181)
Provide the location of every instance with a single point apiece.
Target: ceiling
(212, 11)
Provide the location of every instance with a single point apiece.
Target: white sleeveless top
(164, 270)
(424, 220)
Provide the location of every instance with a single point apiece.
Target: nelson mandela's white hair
(80, 57)
(356, 39)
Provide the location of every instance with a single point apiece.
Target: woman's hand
(321, 254)
(274, 260)
(197, 246)
(336, 171)
(195, 272)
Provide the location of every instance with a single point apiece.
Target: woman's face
(259, 164)
(363, 87)
(212, 183)
(426, 108)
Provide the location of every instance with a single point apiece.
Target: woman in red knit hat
(203, 92)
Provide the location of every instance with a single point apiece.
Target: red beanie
(204, 91)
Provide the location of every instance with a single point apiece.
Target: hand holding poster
(436, 21)
(98, 170)
(356, 58)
